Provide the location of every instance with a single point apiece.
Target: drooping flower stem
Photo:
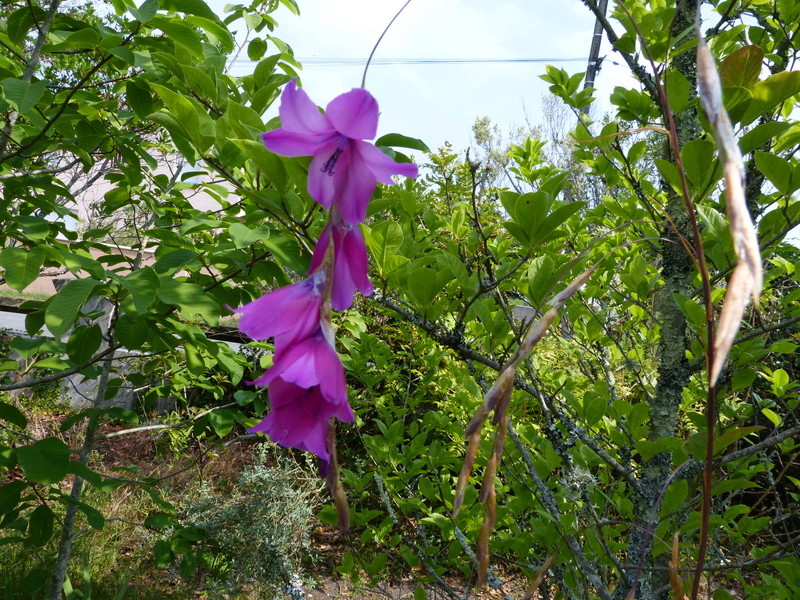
(375, 47)
(334, 483)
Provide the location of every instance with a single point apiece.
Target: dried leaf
(747, 276)
(736, 297)
(538, 578)
(674, 579)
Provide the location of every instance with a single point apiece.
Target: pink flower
(299, 418)
(287, 314)
(344, 169)
(349, 262)
(310, 362)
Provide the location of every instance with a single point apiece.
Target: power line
(419, 61)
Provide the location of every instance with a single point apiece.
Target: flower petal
(291, 143)
(299, 114)
(354, 114)
(354, 250)
(319, 250)
(383, 166)
(323, 182)
(292, 310)
(331, 374)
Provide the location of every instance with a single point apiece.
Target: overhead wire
(420, 61)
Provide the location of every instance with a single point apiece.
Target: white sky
(439, 103)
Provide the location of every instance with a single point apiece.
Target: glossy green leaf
(83, 342)
(742, 68)
(13, 415)
(45, 461)
(21, 265)
(65, 306)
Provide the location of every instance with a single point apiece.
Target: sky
(440, 102)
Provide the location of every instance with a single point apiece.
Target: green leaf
(40, 525)
(132, 333)
(93, 516)
(190, 298)
(173, 260)
(678, 89)
(146, 11)
(143, 285)
(83, 342)
(396, 140)
(13, 415)
(542, 274)
(63, 309)
(244, 237)
(256, 49)
(222, 421)
(769, 93)
(742, 68)
(384, 240)
(214, 28)
(22, 266)
(180, 33)
(45, 461)
(139, 98)
(10, 494)
(780, 172)
(21, 21)
(159, 520)
(423, 286)
(648, 449)
(193, 7)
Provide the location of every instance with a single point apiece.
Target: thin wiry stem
(375, 47)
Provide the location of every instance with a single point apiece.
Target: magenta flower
(307, 363)
(349, 262)
(344, 169)
(299, 418)
(289, 313)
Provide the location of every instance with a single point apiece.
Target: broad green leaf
(384, 240)
(698, 157)
(173, 260)
(742, 68)
(40, 525)
(21, 21)
(769, 93)
(244, 237)
(222, 421)
(193, 7)
(146, 11)
(670, 173)
(22, 95)
(648, 449)
(63, 309)
(130, 332)
(215, 29)
(83, 342)
(256, 49)
(396, 140)
(22, 266)
(423, 286)
(678, 90)
(143, 286)
(189, 298)
(10, 494)
(542, 275)
(83, 39)
(180, 33)
(139, 98)
(13, 415)
(781, 173)
(45, 461)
